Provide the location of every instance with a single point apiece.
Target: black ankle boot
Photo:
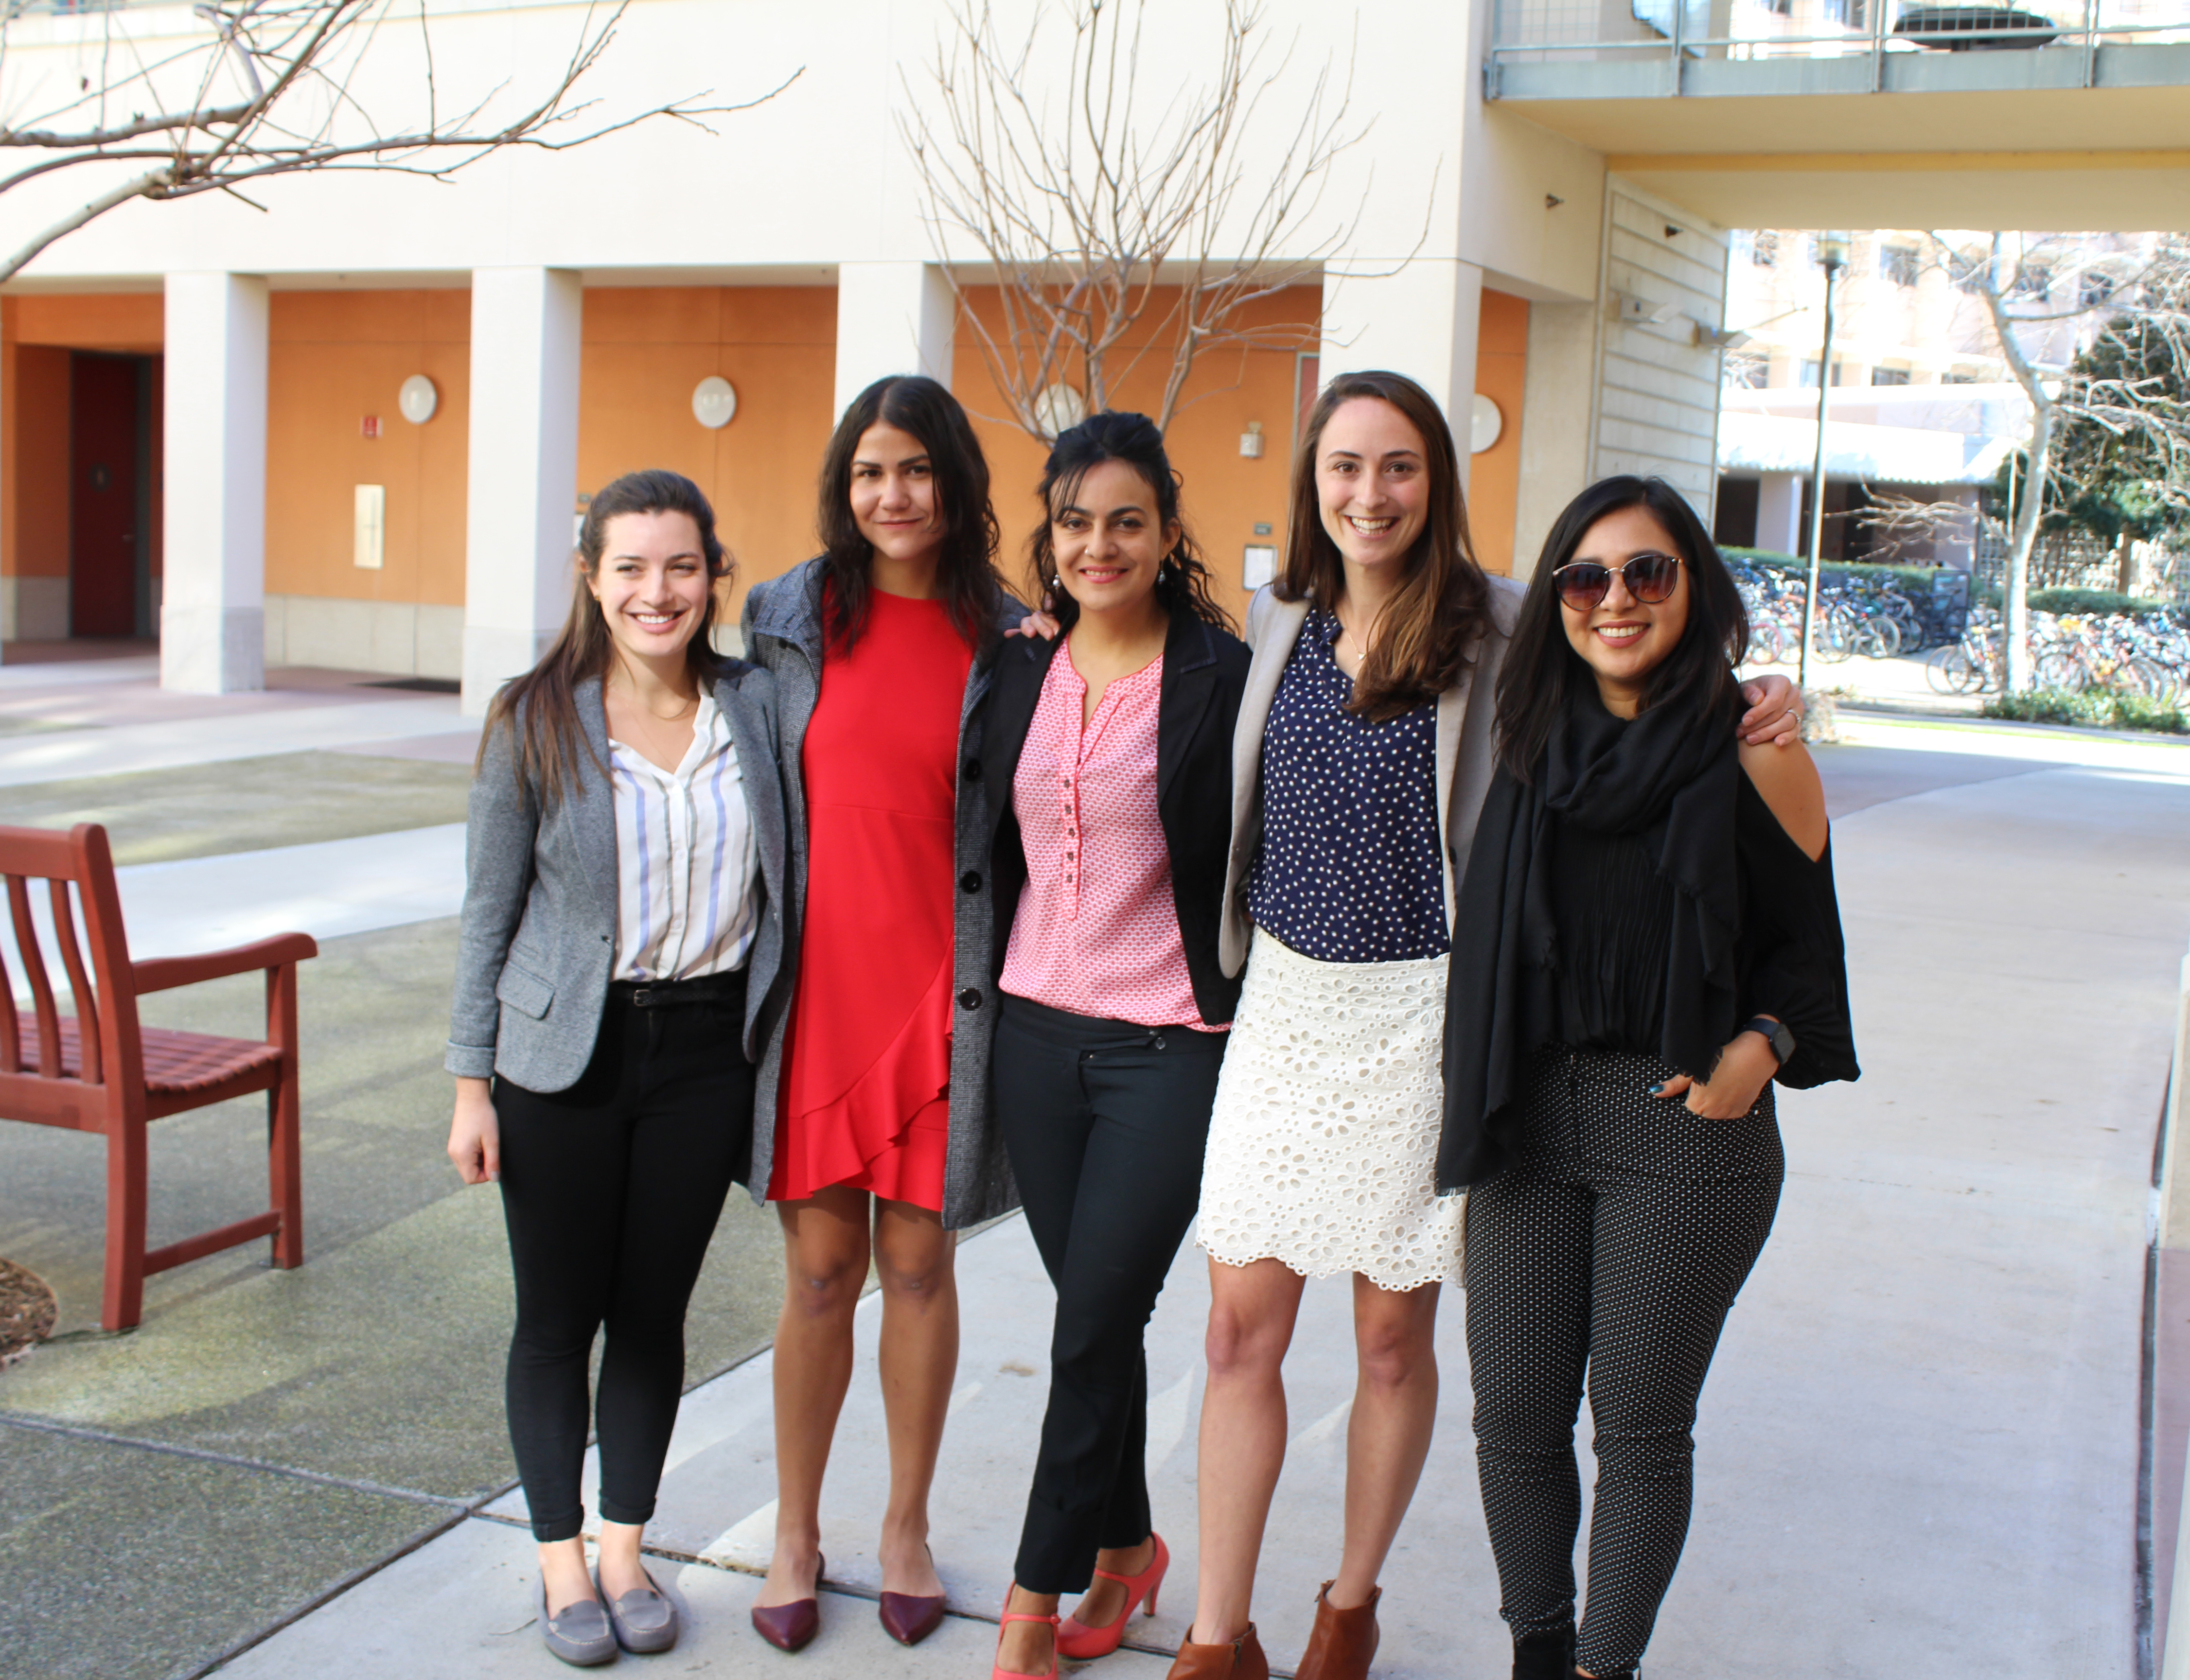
(1545, 1656)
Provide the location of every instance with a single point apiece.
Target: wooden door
(102, 494)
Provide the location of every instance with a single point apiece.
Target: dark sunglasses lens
(1583, 586)
(1650, 577)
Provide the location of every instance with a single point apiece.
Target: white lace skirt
(1323, 1147)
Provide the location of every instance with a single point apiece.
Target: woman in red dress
(872, 1134)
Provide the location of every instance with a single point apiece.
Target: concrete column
(523, 471)
(212, 636)
(1420, 321)
(1557, 421)
(892, 318)
(1779, 514)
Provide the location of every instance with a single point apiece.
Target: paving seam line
(45, 1426)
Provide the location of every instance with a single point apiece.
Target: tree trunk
(2125, 563)
(2015, 597)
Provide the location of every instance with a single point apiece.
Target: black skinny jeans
(1614, 1243)
(610, 1190)
(1106, 1123)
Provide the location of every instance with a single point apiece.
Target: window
(2095, 289)
(1897, 263)
(1809, 375)
(1889, 376)
(1848, 14)
(1971, 269)
(1764, 250)
(2032, 279)
(1959, 377)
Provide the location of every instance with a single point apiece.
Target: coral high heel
(1010, 1615)
(1078, 1640)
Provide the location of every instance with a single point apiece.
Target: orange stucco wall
(1494, 481)
(333, 358)
(646, 348)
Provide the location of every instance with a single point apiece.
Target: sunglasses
(1584, 583)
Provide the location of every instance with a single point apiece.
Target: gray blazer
(782, 626)
(538, 938)
(1464, 747)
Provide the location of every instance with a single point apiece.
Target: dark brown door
(103, 497)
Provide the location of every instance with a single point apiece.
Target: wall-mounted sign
(369, 528)
(714, 402)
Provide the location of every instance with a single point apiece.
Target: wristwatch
(1775, 1034)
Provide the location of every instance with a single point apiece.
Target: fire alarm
(369, 426)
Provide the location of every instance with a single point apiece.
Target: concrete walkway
(1918, 1449)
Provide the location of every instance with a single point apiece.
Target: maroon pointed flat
(909, 1619)
(791, 1626)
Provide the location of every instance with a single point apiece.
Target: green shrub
(2085, 602)
(2099, 706)
(1915, 580)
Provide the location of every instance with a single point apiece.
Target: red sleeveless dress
(866, 1086)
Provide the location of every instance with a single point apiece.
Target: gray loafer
(580, 1633)
(644, 1622)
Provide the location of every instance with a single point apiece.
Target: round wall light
(1059, 409)
(714, 402)
(417, 400)
(1485, 425)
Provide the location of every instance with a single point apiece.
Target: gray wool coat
(783, 633)
(537, 942)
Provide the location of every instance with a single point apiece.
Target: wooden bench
(100, 1070)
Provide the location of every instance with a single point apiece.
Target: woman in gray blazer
(872, 1131)
(622, 924)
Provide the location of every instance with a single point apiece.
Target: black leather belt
(654, 995)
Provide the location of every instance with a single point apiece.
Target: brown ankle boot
(1240, 1659)
(1344, 1642)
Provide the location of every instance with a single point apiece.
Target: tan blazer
(1464, 760)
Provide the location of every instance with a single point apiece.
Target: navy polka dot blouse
(1351, 869)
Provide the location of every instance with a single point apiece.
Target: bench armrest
(164, 974)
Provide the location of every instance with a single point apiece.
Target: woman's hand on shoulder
(1037, 623)
(1746, 1067)
(1775, 712)
(475, 1134)
(1787, 777)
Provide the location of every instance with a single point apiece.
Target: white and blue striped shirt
(686, 864)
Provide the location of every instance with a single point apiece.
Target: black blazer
(1205, 672)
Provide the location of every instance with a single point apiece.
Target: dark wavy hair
(540, 708)
(966, 574)
(1443, 604)
(1182, 579)
(1542, 671)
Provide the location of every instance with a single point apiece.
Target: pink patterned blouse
(1097, 930)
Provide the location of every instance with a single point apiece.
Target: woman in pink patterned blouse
(1115, 741)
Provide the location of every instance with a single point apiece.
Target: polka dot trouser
(1613, 1244)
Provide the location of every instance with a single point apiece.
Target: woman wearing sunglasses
(1656, 941)
(1364, 747)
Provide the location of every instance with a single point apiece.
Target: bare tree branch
(1109, 233)
(297, 64)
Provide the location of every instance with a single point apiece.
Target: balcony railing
(2063, 44)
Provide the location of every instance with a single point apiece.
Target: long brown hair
(1182, 581)
(540, 709)
(1444, 603)
(966, 570)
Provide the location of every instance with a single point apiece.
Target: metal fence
(2156, 570)
(1628, 30)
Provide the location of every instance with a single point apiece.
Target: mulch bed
(27, 1310)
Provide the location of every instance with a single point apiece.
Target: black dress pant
(610, 1190)
(1106, 1123)
(1614, 1243)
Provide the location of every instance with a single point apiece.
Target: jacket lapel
(1189, 682)
(1021, 667)
(593, 797)
(763, 793)
(1451, 718)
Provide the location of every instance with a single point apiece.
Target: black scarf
(1670, 777)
